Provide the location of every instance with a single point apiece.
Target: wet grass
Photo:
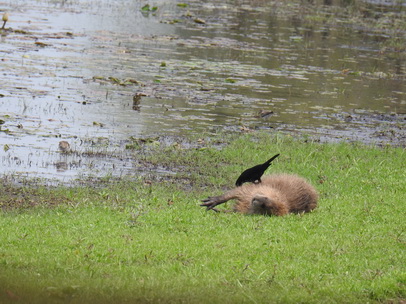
(147, 240)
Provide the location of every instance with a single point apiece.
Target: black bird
(254, 174)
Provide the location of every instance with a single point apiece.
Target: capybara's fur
(275, 195)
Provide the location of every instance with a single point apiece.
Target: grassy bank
(146, 240)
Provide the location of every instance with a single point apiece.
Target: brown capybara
(277, 194)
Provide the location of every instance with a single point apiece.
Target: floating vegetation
(148, 8)
(98, 124)
(183, 5)
(115, 80)
(230, 80)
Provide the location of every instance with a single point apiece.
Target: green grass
(142, 242)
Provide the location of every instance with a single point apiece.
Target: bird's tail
(271, 159)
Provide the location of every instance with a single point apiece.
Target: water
(70, 70)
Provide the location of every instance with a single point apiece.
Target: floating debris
(137, 101)
(199, 21)
(5, 19)
(264, 114)
(41, 44)
(64, 146)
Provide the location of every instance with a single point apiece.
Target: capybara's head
(261, 205)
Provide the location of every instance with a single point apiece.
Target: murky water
(70, 71)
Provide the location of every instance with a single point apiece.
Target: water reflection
(67, 71)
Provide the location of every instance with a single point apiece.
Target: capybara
(277, 194)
